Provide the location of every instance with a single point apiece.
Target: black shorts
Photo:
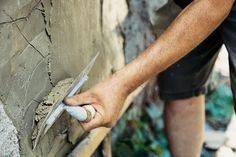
(188, 77)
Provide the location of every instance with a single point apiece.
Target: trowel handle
(81, 113)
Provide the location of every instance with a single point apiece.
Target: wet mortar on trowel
(48, 101)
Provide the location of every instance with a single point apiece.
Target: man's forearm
(187, 31)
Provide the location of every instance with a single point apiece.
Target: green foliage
(141, 140)
(219, 106)
(206, 153)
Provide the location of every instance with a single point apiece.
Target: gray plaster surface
(45, 41)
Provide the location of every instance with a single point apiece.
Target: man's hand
(107, 99)
(187, 31)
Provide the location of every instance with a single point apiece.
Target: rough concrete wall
(44, 41)
(8, 135)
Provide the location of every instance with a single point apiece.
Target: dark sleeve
(182, 3)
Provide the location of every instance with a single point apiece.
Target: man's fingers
(88, 98)
(94, 123)
(80, 99)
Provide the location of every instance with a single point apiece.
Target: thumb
(79, 99)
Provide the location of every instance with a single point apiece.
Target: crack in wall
(48, 35)
(23, 17)
(26, 39)
(18, 28)
(101, 15)
(27, 82)
(35, 101)
(41, 10)
(43, 13)
(47, 23)
(49, 70)
(49, 20)
(51, 3)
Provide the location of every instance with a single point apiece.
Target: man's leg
(182, 86)
(184, 123)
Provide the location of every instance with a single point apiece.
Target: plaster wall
(45, 41)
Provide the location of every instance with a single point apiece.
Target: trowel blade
(84, 72)
(44, 128)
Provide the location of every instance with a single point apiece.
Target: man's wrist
(123, 81)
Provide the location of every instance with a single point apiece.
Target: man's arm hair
(194, 24)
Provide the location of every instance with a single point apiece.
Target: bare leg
(184, 122)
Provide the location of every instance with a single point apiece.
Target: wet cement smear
(48, 101)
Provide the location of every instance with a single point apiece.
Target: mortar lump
(48, 101)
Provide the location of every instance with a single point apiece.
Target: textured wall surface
(8, 135)
(44, 41)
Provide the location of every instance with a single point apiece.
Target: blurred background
(141, 130)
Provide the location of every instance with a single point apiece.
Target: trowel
(81, 113)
